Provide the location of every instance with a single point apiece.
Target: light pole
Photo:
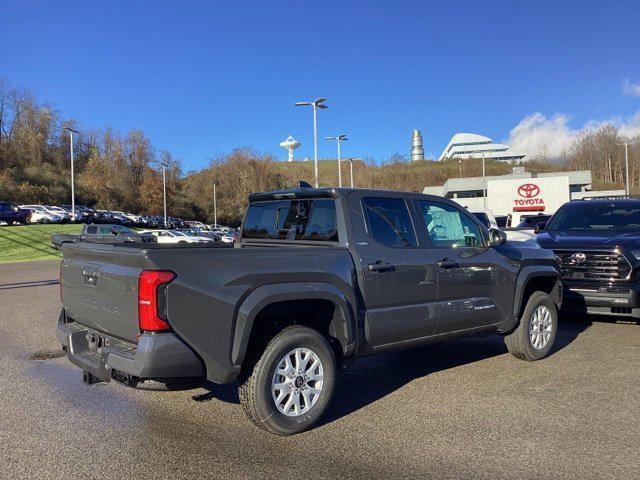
(73, 185)
(339, 139)
(626, 144)
(164, 191)
(215, 207)
(460, 168)
(316, 104)
(484, 185)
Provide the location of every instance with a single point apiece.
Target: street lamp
(626, 144)
(73, 186)
(484, 184)
(339, 139)
(316, 104)
(215, 207)
(164, 190)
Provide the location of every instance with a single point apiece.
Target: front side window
(312, 220)
(389, 221)
(448, 227)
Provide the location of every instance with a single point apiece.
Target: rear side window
(389, 221)
(92, 230)
(311, 220)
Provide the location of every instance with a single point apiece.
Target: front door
(398, 273)
(467, 268)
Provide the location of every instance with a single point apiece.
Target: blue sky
(201, 78)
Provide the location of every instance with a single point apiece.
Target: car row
(11, 213)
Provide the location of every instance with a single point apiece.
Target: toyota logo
(578, 258)
(528, 190)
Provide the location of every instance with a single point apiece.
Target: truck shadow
(372, 378)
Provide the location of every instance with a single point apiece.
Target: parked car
(108, 234)
(83, 213)
(46, 209)
(174, 236)
(193, 233)
(61, 212)
(40, 215)
(10, 213)
(321, 275)
(598, 244)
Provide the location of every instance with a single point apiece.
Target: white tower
(290, 144)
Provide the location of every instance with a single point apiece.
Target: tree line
(123, 171)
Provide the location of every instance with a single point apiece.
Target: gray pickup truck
(318, 276)
(101, 234)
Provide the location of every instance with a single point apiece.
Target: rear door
(468, 270)
(397, 271)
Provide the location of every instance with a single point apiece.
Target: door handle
(380, 267)
(447, 263)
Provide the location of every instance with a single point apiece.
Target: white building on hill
(470, 145)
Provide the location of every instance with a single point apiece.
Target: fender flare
(530, 272)
(344, 329)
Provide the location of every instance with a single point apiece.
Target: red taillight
(150, 316)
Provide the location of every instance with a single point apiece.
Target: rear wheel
(534, 336)
(290, 386)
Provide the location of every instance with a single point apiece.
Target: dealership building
(519, 191)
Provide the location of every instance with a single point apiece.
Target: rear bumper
(617, 301)
(157, 356)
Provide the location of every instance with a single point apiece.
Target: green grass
(22, 243)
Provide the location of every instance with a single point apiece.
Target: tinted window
(92, 230)
(449, 227)
(534, 220)
(313, 220)
(596, 216)
(483, 217)
(389, 221)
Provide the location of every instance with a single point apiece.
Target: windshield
(590, 217)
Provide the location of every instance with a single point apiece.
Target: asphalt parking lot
(462, 409)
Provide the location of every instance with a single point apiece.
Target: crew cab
(598, 244)
(320, 275)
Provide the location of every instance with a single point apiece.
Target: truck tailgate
(99, 287)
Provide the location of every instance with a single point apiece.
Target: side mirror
(497, 237)
(539, 227)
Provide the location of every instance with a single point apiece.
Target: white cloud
(539, 136)
(630, 88)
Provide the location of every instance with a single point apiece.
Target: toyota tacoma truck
(320, 275)
(598, 244)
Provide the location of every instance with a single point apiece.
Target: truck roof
(331, 192)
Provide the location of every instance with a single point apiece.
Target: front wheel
(291, 384)
(534, 336)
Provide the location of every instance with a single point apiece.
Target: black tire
(520, 343)
(255, 389)
(44, 220)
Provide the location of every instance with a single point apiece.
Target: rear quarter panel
(211, 284)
